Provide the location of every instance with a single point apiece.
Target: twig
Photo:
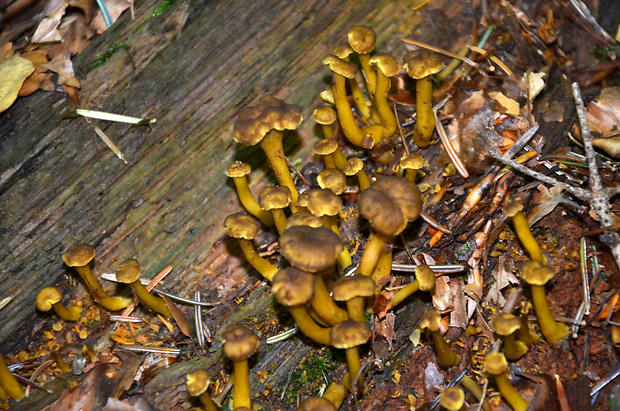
(441, 51)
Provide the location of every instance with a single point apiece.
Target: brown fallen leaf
(115, 7)
(382, 303)
(385, 328)
(47, 31)
(75, 32)
(13, 72)
(33, 83)
(604, 112)
(178, 316)
(63, 66)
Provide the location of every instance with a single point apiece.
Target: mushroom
(387, 68)
(452, 399)
(476, 390)
(306, 219)
(325, 148)
(239, 344)
(411, 163)
(335, 394)
(264, 124)
(9, 382)
(244, 228)
(325, 116)
(354, 290)
(355, 167)
(79, 257)
(332, 179)
(49, 298)
(431, 321)
(362, 40)
(514, 209)
(425, 281)
(537, 275)
(60, 362)
(390, 203)
(294, 288)
(495, 364)
(344, 51)
(316, 404)
(238, 171)
(276, 199)
(197, 383)
(525, 333)
(506, 326)
(420, 65)
(128, 272)
(348, 335)
(369, 135)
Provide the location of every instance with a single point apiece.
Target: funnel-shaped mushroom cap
(325, 115)
(310, 249)
(420, 64)
(350, 333)
(304, 219)
(238, 169)
(293, 287)
(452, 398)
(240, 225)
(495, 363)
(325, 146)
(79, 255)
(506, 324)
(274, 198)
(239, 343)
(412, 162)
(386, 63)
(347, 288)
(535, 273)
(269, 113)
(341, 67)
(513, 207)
(47, 297)
(323, 202)
(426, 278)
(316, 404)
(332, 179)
(390, 203)
(362, 39)
(197, 382)
(431, 320)
(128, 271)
(352, 166)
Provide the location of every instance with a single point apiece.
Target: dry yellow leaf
(511, 106)
(13, 72)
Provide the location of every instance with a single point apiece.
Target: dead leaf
(75, 32)
(545, 202)
(13, 72)
(535, 83)
(385, 328)
(38, 57)
(63, 66)
(85, 5)
(604, 112)
(382, 303)
(459, 316)
(610, 145)
(511, 106)
(47, 31)
(33, 83)
(178, 316)
(554, 112)
(115, 7)
(442, 300)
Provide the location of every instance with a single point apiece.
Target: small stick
(441, 51)
(445, 140)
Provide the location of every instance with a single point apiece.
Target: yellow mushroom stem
(356, 308)
(354, 364)
(344, 258)
(369, 72)
(324, 305)
(335, 394)
(553, 330)
(262, 265)
(372, 252)
(91, 282)
(446, 358)
(3, 395)
(308, 326)
(68, 314)
(388, 120)
(512, 347)
(476, 391)
(272, 146)
(405, 292)
(339, 159)
(279, 218)
(207, 402)
(114, 303)
(328, 159)
(64, 368)
(363, 179)
(522, 227)
(156, 304)
(249, 202)
(328, 132)
(384, 265)
(241, 384)
(9, 382)
(366, 137)
(509, 393)
(424, 109)
(358, 97)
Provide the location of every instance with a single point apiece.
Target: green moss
(310, 374)
(101, 59)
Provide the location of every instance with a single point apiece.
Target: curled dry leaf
(63, 66)
(604, 111)
(115, 7)
(47, 31)
(13, 72)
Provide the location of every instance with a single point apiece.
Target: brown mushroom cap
(306, 219)
(79, 255)
(390, 203)
(270, 113)
(238, 169)
(325, 146)
(412, 161)
(310, 249)
(513, 207)
(353, 166)
(506, 324)
(350, 333)
(535, 273)
(332, 179)
(325, 115)
(323, 202)
(495, 363)
(128, 271)
(197, 382)
(420, 64)
(362, 39)
(240, 225)
(386, 63)
(347, 288)
(339, 66)
(292, 286)
(426, 278)
(328, 96)
(316, 404)
(239, 343)
(343, 51)
(47, 297)
(274, 197)
(431, 320)
(452, 398)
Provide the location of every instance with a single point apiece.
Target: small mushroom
(362, 40)
(476, 390)
(335, 394)
(354, 290)
(325, 116)
(411, 163)
(355, 167)
(425, 281)
(507, 326)
(244, 228)
(431, 321)
(276, 199)
(49, 298)
(420, 65)
(514, 209)
(325, 148)
(525, 333)
(495, 364)
(197, 383)
(333, 180)
(349, 335)
(537, 275)
(239, 344)
(310, 249)
(238, 171)
(344, 51)
(452, 399)
(128, 272)
(316, 404)
(9, 382)
(264, 124)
